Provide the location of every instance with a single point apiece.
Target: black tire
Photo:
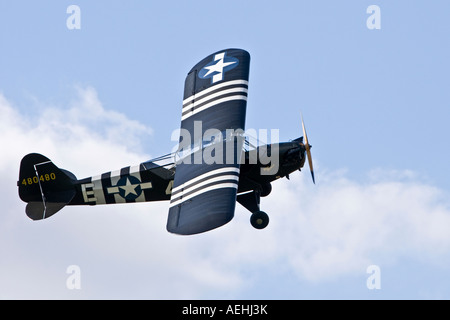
(259, 220)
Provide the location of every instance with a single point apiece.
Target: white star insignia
(129, 188)
(218, 67)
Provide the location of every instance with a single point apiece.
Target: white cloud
(317, 233)
(340, 227)
(123, 251)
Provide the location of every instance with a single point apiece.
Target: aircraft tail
(45, 187)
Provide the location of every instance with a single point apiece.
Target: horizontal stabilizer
(39, 210)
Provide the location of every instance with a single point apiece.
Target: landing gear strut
(259, 219)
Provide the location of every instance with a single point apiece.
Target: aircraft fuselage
(146, 183)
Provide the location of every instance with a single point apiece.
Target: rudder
(45, 187)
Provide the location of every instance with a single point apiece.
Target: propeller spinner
(308, 151)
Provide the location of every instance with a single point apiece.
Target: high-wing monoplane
(215, 164)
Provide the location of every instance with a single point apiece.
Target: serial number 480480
(35, 179)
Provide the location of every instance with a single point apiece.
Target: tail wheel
(259, 220)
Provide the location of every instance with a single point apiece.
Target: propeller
(308, 150)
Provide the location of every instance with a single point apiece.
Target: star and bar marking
(218, 67)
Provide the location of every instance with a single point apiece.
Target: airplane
(214, 167)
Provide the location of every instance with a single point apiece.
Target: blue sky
(375, 103)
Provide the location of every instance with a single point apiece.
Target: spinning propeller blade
(308, 151)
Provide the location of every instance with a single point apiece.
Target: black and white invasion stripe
(227, 177)
(222, 92)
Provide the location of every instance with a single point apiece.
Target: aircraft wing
(212, 123)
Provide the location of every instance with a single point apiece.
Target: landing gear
(266, 189)
(259, 219)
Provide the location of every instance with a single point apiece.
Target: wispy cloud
(317, 233)
(122, 251)
(340, 226)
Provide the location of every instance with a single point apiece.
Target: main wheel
(259, 220)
